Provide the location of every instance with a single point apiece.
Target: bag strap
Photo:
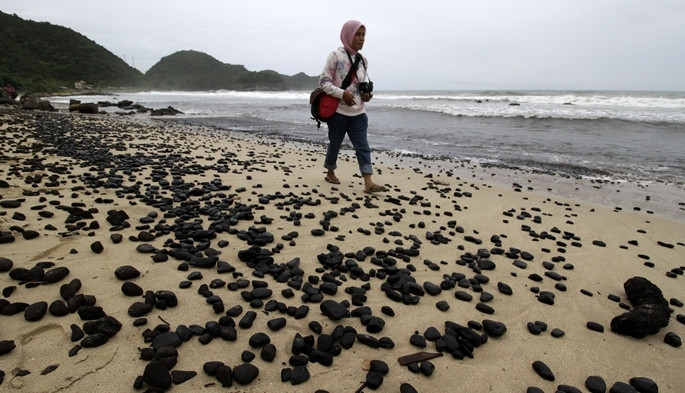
(353, 70)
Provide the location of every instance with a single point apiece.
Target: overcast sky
(418, 44)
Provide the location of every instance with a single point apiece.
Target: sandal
(331, 180)
(375, 188)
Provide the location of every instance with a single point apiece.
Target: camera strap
(353, 70)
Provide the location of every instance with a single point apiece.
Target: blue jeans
(355, 127)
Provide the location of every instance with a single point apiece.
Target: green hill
(43, 57)
(192, 70)
(39, 56)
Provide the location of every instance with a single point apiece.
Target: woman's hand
(348, 98)
(366, 97)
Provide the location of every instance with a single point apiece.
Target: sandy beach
(140, 255)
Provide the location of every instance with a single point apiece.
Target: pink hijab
(347, 33)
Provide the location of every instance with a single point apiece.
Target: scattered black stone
(224, 374)
(543, 370)
(157, 375)
(55, 275)
(407, 388)
(595, 327)
(484, 308)
(333, 309)
(167, 339)
(534, 328)
(673, 340)
(76, 333)
(131, 289)
(622, 387)
(494, 328)
(463, 296)
(5, 264)
(126, 272)
(6, 346)
(247, 356)
(35, 311)
(650, 313)
(595, 384)
(245, 373)
(58, 308)
(94, 340)
(259, 340)
(276, 324)
(557, 333)
(97, 247)
(298, 375)
(139, 309)
(644, 385)
(418, 340)
(568, 389)
(680, 318)
(211, 367)
(49, 369)
(427, 368)
(504, 288)
(178, 376)
(546, 297)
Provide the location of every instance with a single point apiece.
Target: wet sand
(221, 227)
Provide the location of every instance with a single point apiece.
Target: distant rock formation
(32, 102)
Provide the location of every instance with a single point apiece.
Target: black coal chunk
(543, 370)
(131, 289)
(224, 374)
(94, 340)
(97, 247)
(36, 311)
(644, 385)
(407, 388)
(167, 339)
(245, 373)
(673, 340)
(157, 375)
(5, 264)
(374, 380)
(299, 374)
(568, 389)
(179, 376)
(650, 313)
(595, 327)
(622, 387)
(6, 346)
(333, 309)
(595, 384)
(494, 328)
(55, 275)
(126, 272)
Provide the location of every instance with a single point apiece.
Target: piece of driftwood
(418, 357)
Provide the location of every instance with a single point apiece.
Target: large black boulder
(650, 312)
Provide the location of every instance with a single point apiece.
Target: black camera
(366, 87)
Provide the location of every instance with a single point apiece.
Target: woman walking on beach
(350, 117)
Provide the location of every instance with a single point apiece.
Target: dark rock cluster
(219, 239)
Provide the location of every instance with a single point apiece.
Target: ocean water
(610, 135)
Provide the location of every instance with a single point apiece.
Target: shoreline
(660, 198)
(245, 256)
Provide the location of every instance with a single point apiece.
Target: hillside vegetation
(42, 57)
